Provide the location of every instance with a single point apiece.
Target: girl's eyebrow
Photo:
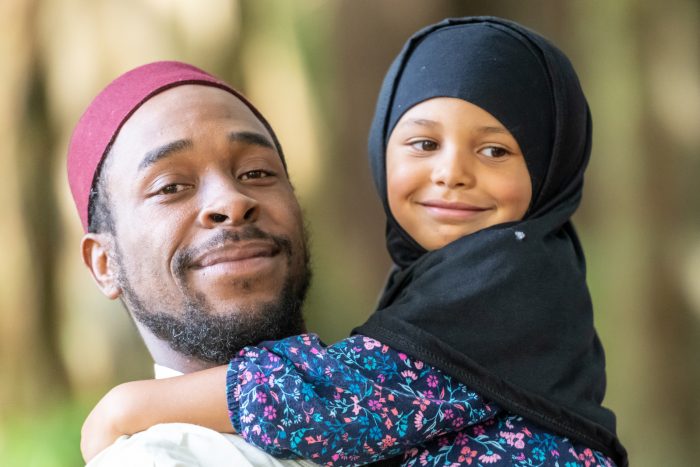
(421, 122)
(492, 129)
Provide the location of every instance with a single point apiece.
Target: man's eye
(172, 189)
(494, 152)
(255, 174)
(424, 145)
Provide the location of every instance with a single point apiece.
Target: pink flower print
(381, 378)
(355, 404)
(587, 457)
(513, 439)
(458, 422)
(467, 455)
(520, 457)
(260, 377)
(429, 394)
(443, 441)
(261, 397)
(519, 443)
(375, 405)
(409, 374)
(423, 459)
(449, 414)
(489, 459)
(246, 377)
(422, 403)
(270, 412)
(402, 356)
(432, 381)
(527, 432)
(418, 420)
(478, 430)
(461, 439)
(370, 343)
(265, 438)
(388, 441)
(418, 364)
(248, 417)
(554, 453)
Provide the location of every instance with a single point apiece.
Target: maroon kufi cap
(112, 107)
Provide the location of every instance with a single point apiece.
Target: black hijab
(505, 310)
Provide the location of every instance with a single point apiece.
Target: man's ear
(96, 249)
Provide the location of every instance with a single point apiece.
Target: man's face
(209, 240)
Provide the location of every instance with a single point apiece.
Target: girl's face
(453, 169)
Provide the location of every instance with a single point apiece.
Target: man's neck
(164, 355)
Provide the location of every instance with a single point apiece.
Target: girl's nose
(453, 169)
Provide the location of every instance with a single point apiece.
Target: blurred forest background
(314, 68)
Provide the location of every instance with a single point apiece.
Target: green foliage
(48, 438)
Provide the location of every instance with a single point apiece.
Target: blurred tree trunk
(30, 322)
(669, 198)
(36, 167)
(638, 211)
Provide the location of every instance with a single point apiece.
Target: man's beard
(197, 331)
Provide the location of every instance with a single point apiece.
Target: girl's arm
(355, 402)
(198, 398)
(351, 403)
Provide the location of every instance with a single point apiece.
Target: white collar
(161, 372)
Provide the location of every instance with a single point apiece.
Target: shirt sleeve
(354, 402)
(178, 444)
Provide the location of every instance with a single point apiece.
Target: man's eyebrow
(161, 152)
(250, 137)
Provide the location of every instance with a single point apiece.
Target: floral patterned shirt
(359, 401)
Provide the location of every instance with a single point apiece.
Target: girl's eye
(424, 145)
(255, 174)
(494, 152)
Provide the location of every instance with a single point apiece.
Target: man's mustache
(185, 258)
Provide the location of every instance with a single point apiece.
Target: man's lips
(452, 210)
(235, 253)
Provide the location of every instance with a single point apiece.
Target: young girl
(482, 349)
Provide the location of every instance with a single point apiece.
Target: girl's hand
(198, 398)
(106, 421)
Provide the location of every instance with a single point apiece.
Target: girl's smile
(453, 169)
(451, 211)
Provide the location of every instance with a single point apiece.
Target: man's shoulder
(177, 444)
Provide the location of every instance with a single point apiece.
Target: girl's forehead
(434, 111)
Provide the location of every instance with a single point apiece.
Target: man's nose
(454, 169)
(225, 205)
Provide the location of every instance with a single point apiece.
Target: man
(192, 222)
